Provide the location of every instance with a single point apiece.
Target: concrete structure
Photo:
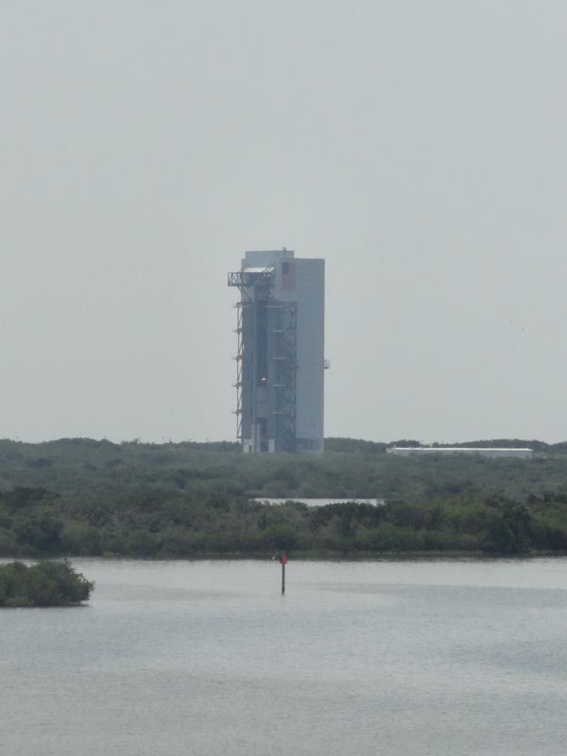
(406, 451)
(280, 360)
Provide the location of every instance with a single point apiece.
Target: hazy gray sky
(419, 146)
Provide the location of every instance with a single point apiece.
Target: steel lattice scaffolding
(238, 360)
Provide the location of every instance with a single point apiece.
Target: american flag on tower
(288, 276)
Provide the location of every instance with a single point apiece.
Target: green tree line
(86, 497)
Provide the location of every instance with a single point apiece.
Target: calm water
(206, 658)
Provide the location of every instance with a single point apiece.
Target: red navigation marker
(283, 562)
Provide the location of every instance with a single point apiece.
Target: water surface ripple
(203, 658)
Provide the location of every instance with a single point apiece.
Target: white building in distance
(406, 451)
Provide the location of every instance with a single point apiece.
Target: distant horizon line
(355, 439)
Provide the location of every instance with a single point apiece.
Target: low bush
(44, 584)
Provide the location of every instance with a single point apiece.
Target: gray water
(205, 658)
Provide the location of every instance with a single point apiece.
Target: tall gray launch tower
(280, 360)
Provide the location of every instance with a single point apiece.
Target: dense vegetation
(44, 584)
(86, 497)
